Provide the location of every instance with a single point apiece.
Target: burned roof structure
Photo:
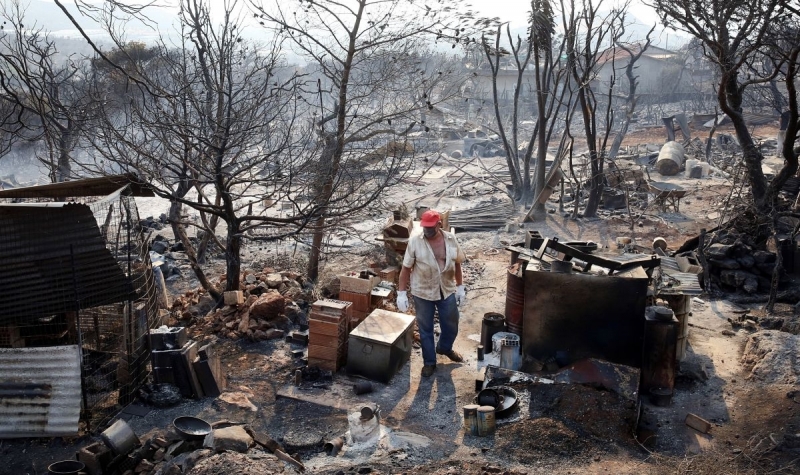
(78, 293)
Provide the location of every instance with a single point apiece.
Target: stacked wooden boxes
(359, 292)
(390, 274)
(328, 328)
(397, 230)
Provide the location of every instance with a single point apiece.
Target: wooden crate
(328, 341)
(354, 284)
(317, 327)
(323, 364)
(390, 274)
(329, 310)
(361, 302)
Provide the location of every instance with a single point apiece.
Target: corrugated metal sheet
(676, 282)
(53, 260)
(40, 391)
(86, 187)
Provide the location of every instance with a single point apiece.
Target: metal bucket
(120, 438)
(515, 300)
(670, 158)
(493, 322)
(486, 421)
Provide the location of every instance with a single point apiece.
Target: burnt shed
(77, 301)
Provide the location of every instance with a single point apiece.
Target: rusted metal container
(658, 361)
(593, 316)
(682, 306)
(380, 345)
(515, 300)
(486, 421)
(670, 158)
(471, 419)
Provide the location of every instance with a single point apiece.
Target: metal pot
(191, 428)
(489, 397)
(509, 403)
(120, 438)
(65, 467)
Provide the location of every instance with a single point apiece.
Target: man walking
(432, 264)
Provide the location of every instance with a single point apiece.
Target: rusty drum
(515, 300)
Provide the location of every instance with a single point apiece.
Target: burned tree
(371, 90)
(751, 44)
(216, 118)
(538, 52)
(587, 31)
(634, 52)
(735, 36)
(48, 93)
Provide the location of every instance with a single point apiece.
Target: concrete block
(233, 438)
(233, 297)
(698, 423)
(96, 457)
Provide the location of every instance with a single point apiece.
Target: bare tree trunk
(209, 226)
(595, 186)
(63, 171)
(180, 233)
(233, 262)
(316, 246)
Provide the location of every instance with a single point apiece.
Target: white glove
(461, 295)
(402, 300)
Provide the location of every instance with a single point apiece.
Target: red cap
(429, 219)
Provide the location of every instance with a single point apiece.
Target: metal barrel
(486, 421)
(493, 322)
(515, 299)
(120, 437)
(670, 158)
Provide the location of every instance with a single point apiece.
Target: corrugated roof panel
(54, 260)
(99, 186)
(40, 391)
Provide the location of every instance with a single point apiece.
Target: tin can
(486, 421)
(471, 419)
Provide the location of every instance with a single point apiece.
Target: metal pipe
(332, 447)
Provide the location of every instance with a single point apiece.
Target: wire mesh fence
(78, 272)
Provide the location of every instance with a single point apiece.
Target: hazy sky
(513, 11)
(516, 11)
